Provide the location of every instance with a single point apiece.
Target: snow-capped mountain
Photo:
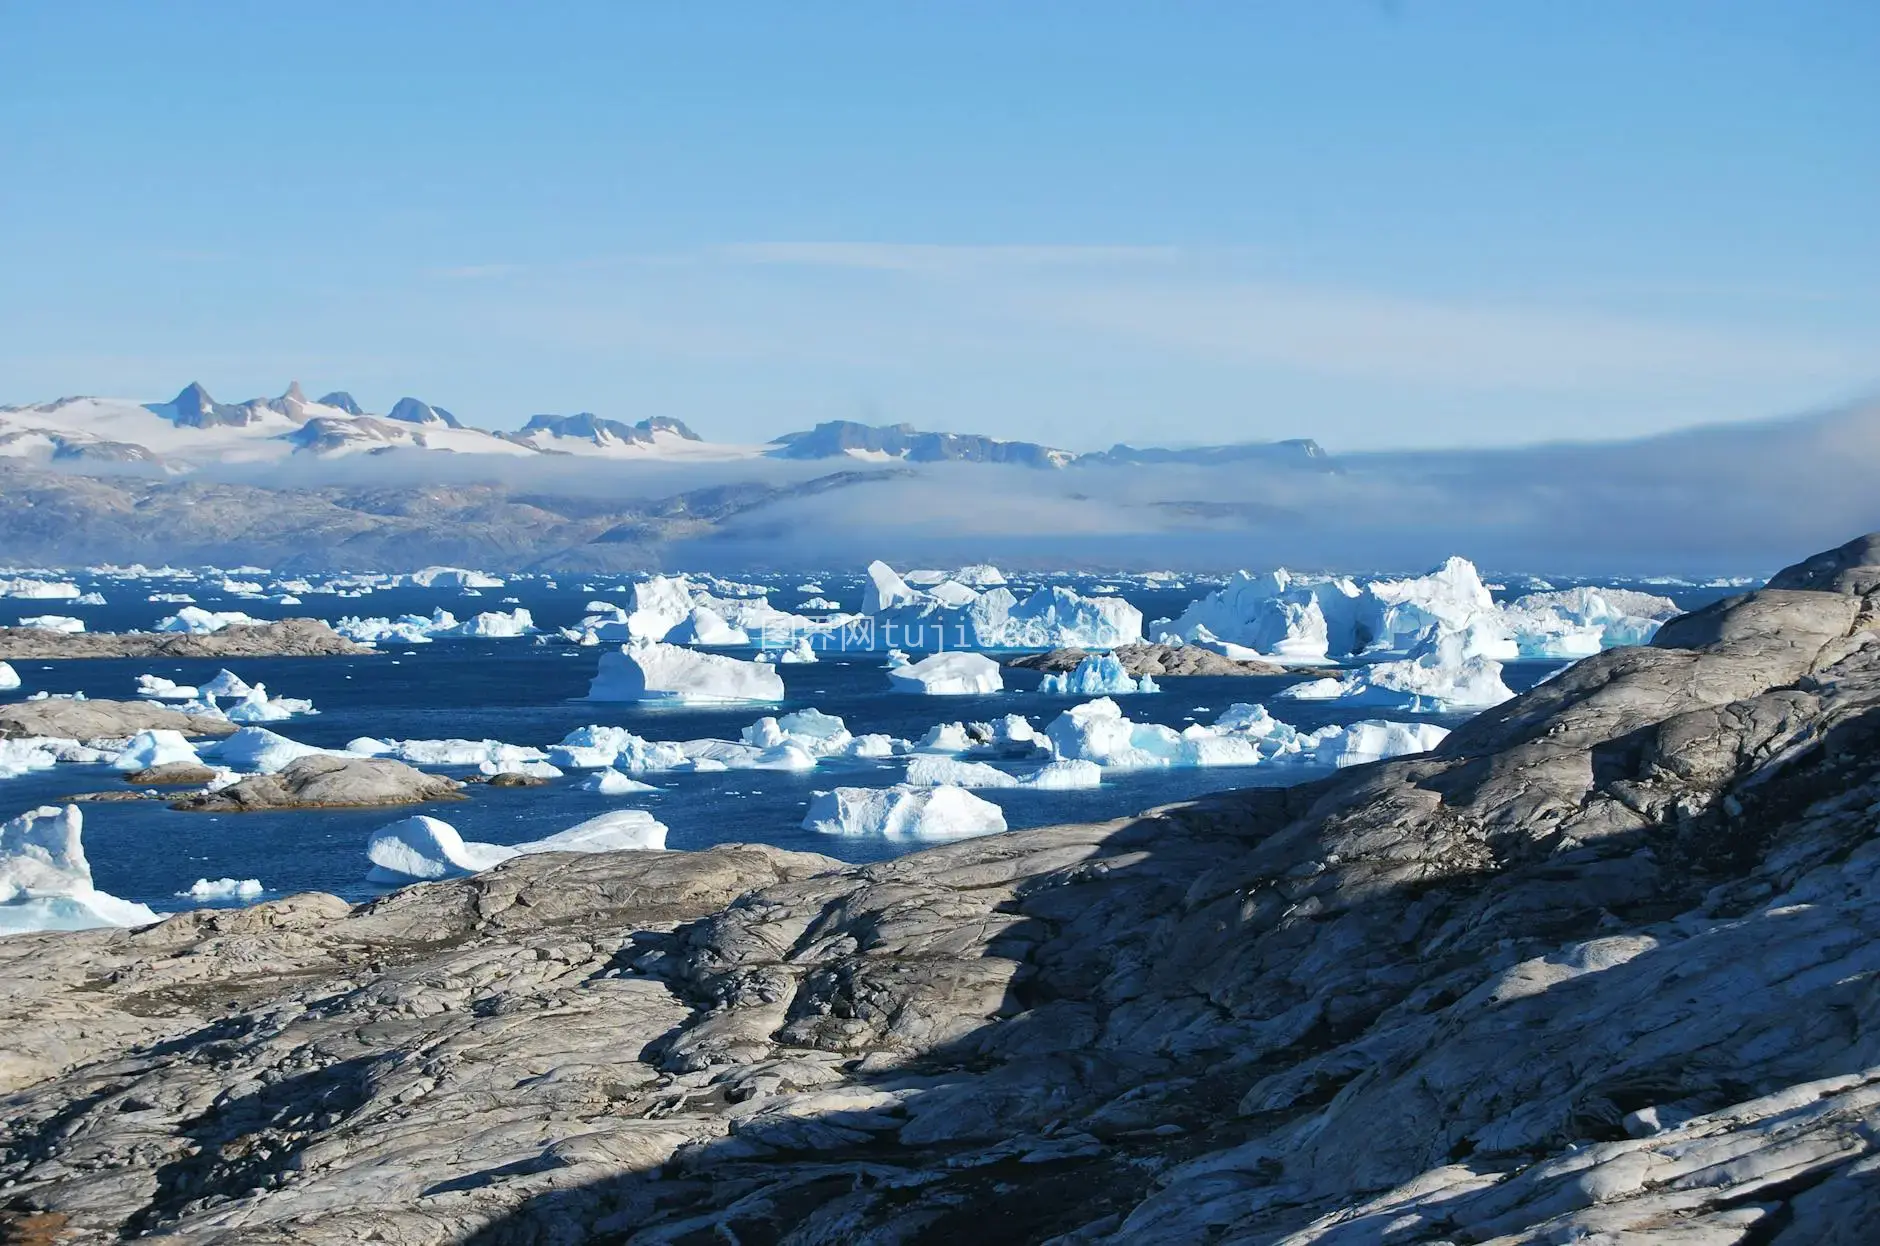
(193, 430)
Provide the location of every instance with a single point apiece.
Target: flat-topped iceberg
(903, 812)
(222, 890)
(611, 782)
(422, 848)
(45, 879)
(658, 672)
(160, 689)
(493, 756)
(53, 623)
(1100, 674)
(948, 674)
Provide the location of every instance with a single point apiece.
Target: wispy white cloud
(939, 258)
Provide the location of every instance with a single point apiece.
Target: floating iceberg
(161, 689)
(155, 748)
(196, 621)
(454, 577)
(45, 880)
(1099, 674)
(495, 754)
(955, 615)
(948, 674)
(257, 750)
(24, 755)
(420, 848)
(9, 678)
(1064, 776)
(1243, 735)
(495, 625)
(1577, 622)
(903, 812)
(1372, 740)
(1444, 675)
(38, 590)
(53, 623)
(410, 629)
(937, 771)
(652, 671)
(225, 684)
(705, 626)
(675, 609)
(611, 782)
(258, 707)
(799, 652)
(1275, 614)
(211, 890)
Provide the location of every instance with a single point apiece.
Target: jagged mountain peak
(417, 411)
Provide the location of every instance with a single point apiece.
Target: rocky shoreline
(285, 638)
(1601, 967)
(1153, 660)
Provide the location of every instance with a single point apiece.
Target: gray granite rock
(327, 782)
(1603, 967)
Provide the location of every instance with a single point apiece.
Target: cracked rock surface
(1603, 968)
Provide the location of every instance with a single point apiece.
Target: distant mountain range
(193, 430)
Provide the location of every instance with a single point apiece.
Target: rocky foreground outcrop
(1604, 967)
(285, 638)
(1152, 659)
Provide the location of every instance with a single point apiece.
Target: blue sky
(1377, 224)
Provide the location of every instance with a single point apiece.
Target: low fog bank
(622, 479)
(1737, 500)
(1741, 500)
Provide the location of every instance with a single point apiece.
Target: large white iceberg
(45, 880)
(493, 754)
(155, 748)
(948, 674)
(420, 848)
(454, 577)
(259, 751)
(225, 684)
(1100, 674)
(495, 625)
(903, 812)
(53, 623)
(953, 614)
(932, 770)
(1371, 740)
(653, 671)
(39, 590)
(9, 678)
(1576, 622)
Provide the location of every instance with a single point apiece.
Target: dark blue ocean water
(523, 693)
